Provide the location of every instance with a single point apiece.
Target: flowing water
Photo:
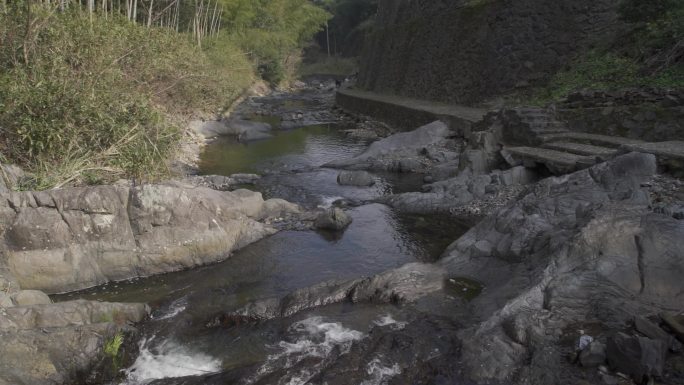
(177, 341)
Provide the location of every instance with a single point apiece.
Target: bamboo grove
(200, 18)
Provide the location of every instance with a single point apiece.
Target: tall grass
(86, 100)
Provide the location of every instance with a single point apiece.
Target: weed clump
(89, 100)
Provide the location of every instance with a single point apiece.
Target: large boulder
(487, 191)
(638, 357)
(30, 297)
(70, 239)
(396, 152)
(334, 219)
(593, 355)
(582, 246)
(60, 343)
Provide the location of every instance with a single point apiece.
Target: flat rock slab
(673, 149)
(557, 161)
(582, 149)
(600, 140)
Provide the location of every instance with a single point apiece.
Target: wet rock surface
(403, 152)
(577, 247)
(406, 283)
(393, 353)
(332, 219)
(62, 343)
(484, 193)
(548, 262)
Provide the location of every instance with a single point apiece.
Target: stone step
(673, 149)
(558, 162)
(531, 111)
(602, 153)
(670, 154)
(595, 139)
(546, 124)
(549, 131)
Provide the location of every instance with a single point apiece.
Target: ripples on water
(177, 343)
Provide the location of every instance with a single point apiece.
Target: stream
(336, 344)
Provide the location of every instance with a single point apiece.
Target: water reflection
(377, 240)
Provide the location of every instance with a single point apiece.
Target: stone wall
(650, 115)
(405, 119)
(466, 51)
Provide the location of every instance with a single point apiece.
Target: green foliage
(606, 71)
(112, 346)
(330, 66)
(271, 31)
(658, 24)
(88, 102)
(645, 11)
(350, 17)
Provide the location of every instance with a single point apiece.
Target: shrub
(88, 100)
(606, 71)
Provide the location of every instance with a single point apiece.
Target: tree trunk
(149, 15)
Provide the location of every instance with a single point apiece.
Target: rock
(355, 178)
(245, 178)
(676, 210)
(72, 313)
(653, 331)
(58, 343)
(244, 130)
(74, 238)
(453, 193)
(32, 357)
(403, 284)
(676, 323)
(410, 165)
(30, 297)
(593, 355)
(332, 219)
(10, 177)
(584, 341)
(214, 182)
(5, 300)
(584, 245)
(276, 208)
(397, 147)
(610, 380)
(638, 357)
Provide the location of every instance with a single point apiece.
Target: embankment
(467, 52)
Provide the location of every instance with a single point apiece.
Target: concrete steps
(568, 152)
(558, 162)
(603, 153)
(525, 125)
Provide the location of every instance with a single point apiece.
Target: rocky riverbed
(358, 254)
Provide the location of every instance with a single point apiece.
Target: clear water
(177, 341)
